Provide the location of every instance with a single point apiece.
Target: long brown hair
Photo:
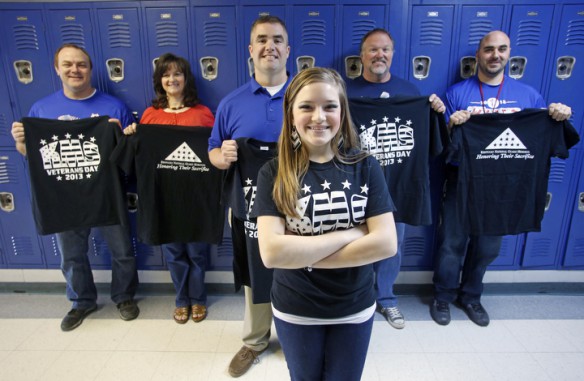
(293, 164)
(165, 61)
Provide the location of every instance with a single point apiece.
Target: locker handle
(581, 202)
(548, 201)
(132, 201)
(7, 201)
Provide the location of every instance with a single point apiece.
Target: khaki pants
(257, 323)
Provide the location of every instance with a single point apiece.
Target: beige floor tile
(16, 331)
(131, 366)
(148, 335)
(27, 365)
(75, 366)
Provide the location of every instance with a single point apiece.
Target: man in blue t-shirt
(490, 91)
(79, 100)
(254, 110)
(376, 81)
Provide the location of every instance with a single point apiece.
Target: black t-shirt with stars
(333, 196)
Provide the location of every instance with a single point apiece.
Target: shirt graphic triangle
(184, 153)
(507, 140)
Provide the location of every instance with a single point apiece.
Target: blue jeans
(387, 270)
(460, 251)
(187, 263)
(324, 352)
(73, 245)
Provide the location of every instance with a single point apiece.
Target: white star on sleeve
(306, 189)
(346, 184)
(326, 185)
(365, 189)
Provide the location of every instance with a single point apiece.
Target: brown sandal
(199, 313)
(181, 314)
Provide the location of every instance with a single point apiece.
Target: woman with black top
(324, 216)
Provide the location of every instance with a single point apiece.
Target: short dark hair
(268, 19)
(165, 61)
(56, 59)
(373, 31)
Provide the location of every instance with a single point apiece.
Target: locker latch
(304, 62)
(517, 66)
(468, 67)
(250, 66)
(115, 69)
(421, 67)
(209, 67)
(7, 201)
(132, 201)
(581, 202)
(564, 67)
(23, 70)
(154, 62)
(548, 201)
(353, 66)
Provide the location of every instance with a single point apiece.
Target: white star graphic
(397, 120)
(362, 127)
(248, 181)
(88, 176)
(409, 122)
(92, 139)
(55, 137)
(399, 160)
(373, 121)
(59, 178)
(326, 185)
(305, 189)
(385, 119)
(43, 142)
(68, 136)
(346, 184)
(364, 189)
(81, 136)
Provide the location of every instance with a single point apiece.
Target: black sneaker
(476, 313)
(440, 312)
(75, 317)
(128, 309)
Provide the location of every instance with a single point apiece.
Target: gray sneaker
(393, 316)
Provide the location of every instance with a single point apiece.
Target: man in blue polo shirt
(254, 110)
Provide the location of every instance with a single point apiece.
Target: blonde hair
(293, 164)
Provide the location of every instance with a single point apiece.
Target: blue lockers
(435, 43)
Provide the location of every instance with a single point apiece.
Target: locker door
(166, 32)
(475, 22)
(121, 56)
(567, 70)
(430, 46)
(29, 63)
(51, 252)
(250, 14)
(574, 254)
(217, 62)
(541, 249)
(509, 254)
(313, 37)
(72, 26)
(356, 21)
(20, 242)
(530, 35)
(6, 116)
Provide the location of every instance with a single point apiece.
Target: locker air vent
(557, 171)
(477, 29)
(359, 28)
(4, 130)
(431, 32)
(415, 247)
(72, 34)
(314, 32)
(119, 35)
(529, 33)
(25, 37)
(215, 33)
(575, 33)
(8, 173)
(21, 245)
(166, 33)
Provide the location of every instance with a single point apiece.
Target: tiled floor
(531, 337)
